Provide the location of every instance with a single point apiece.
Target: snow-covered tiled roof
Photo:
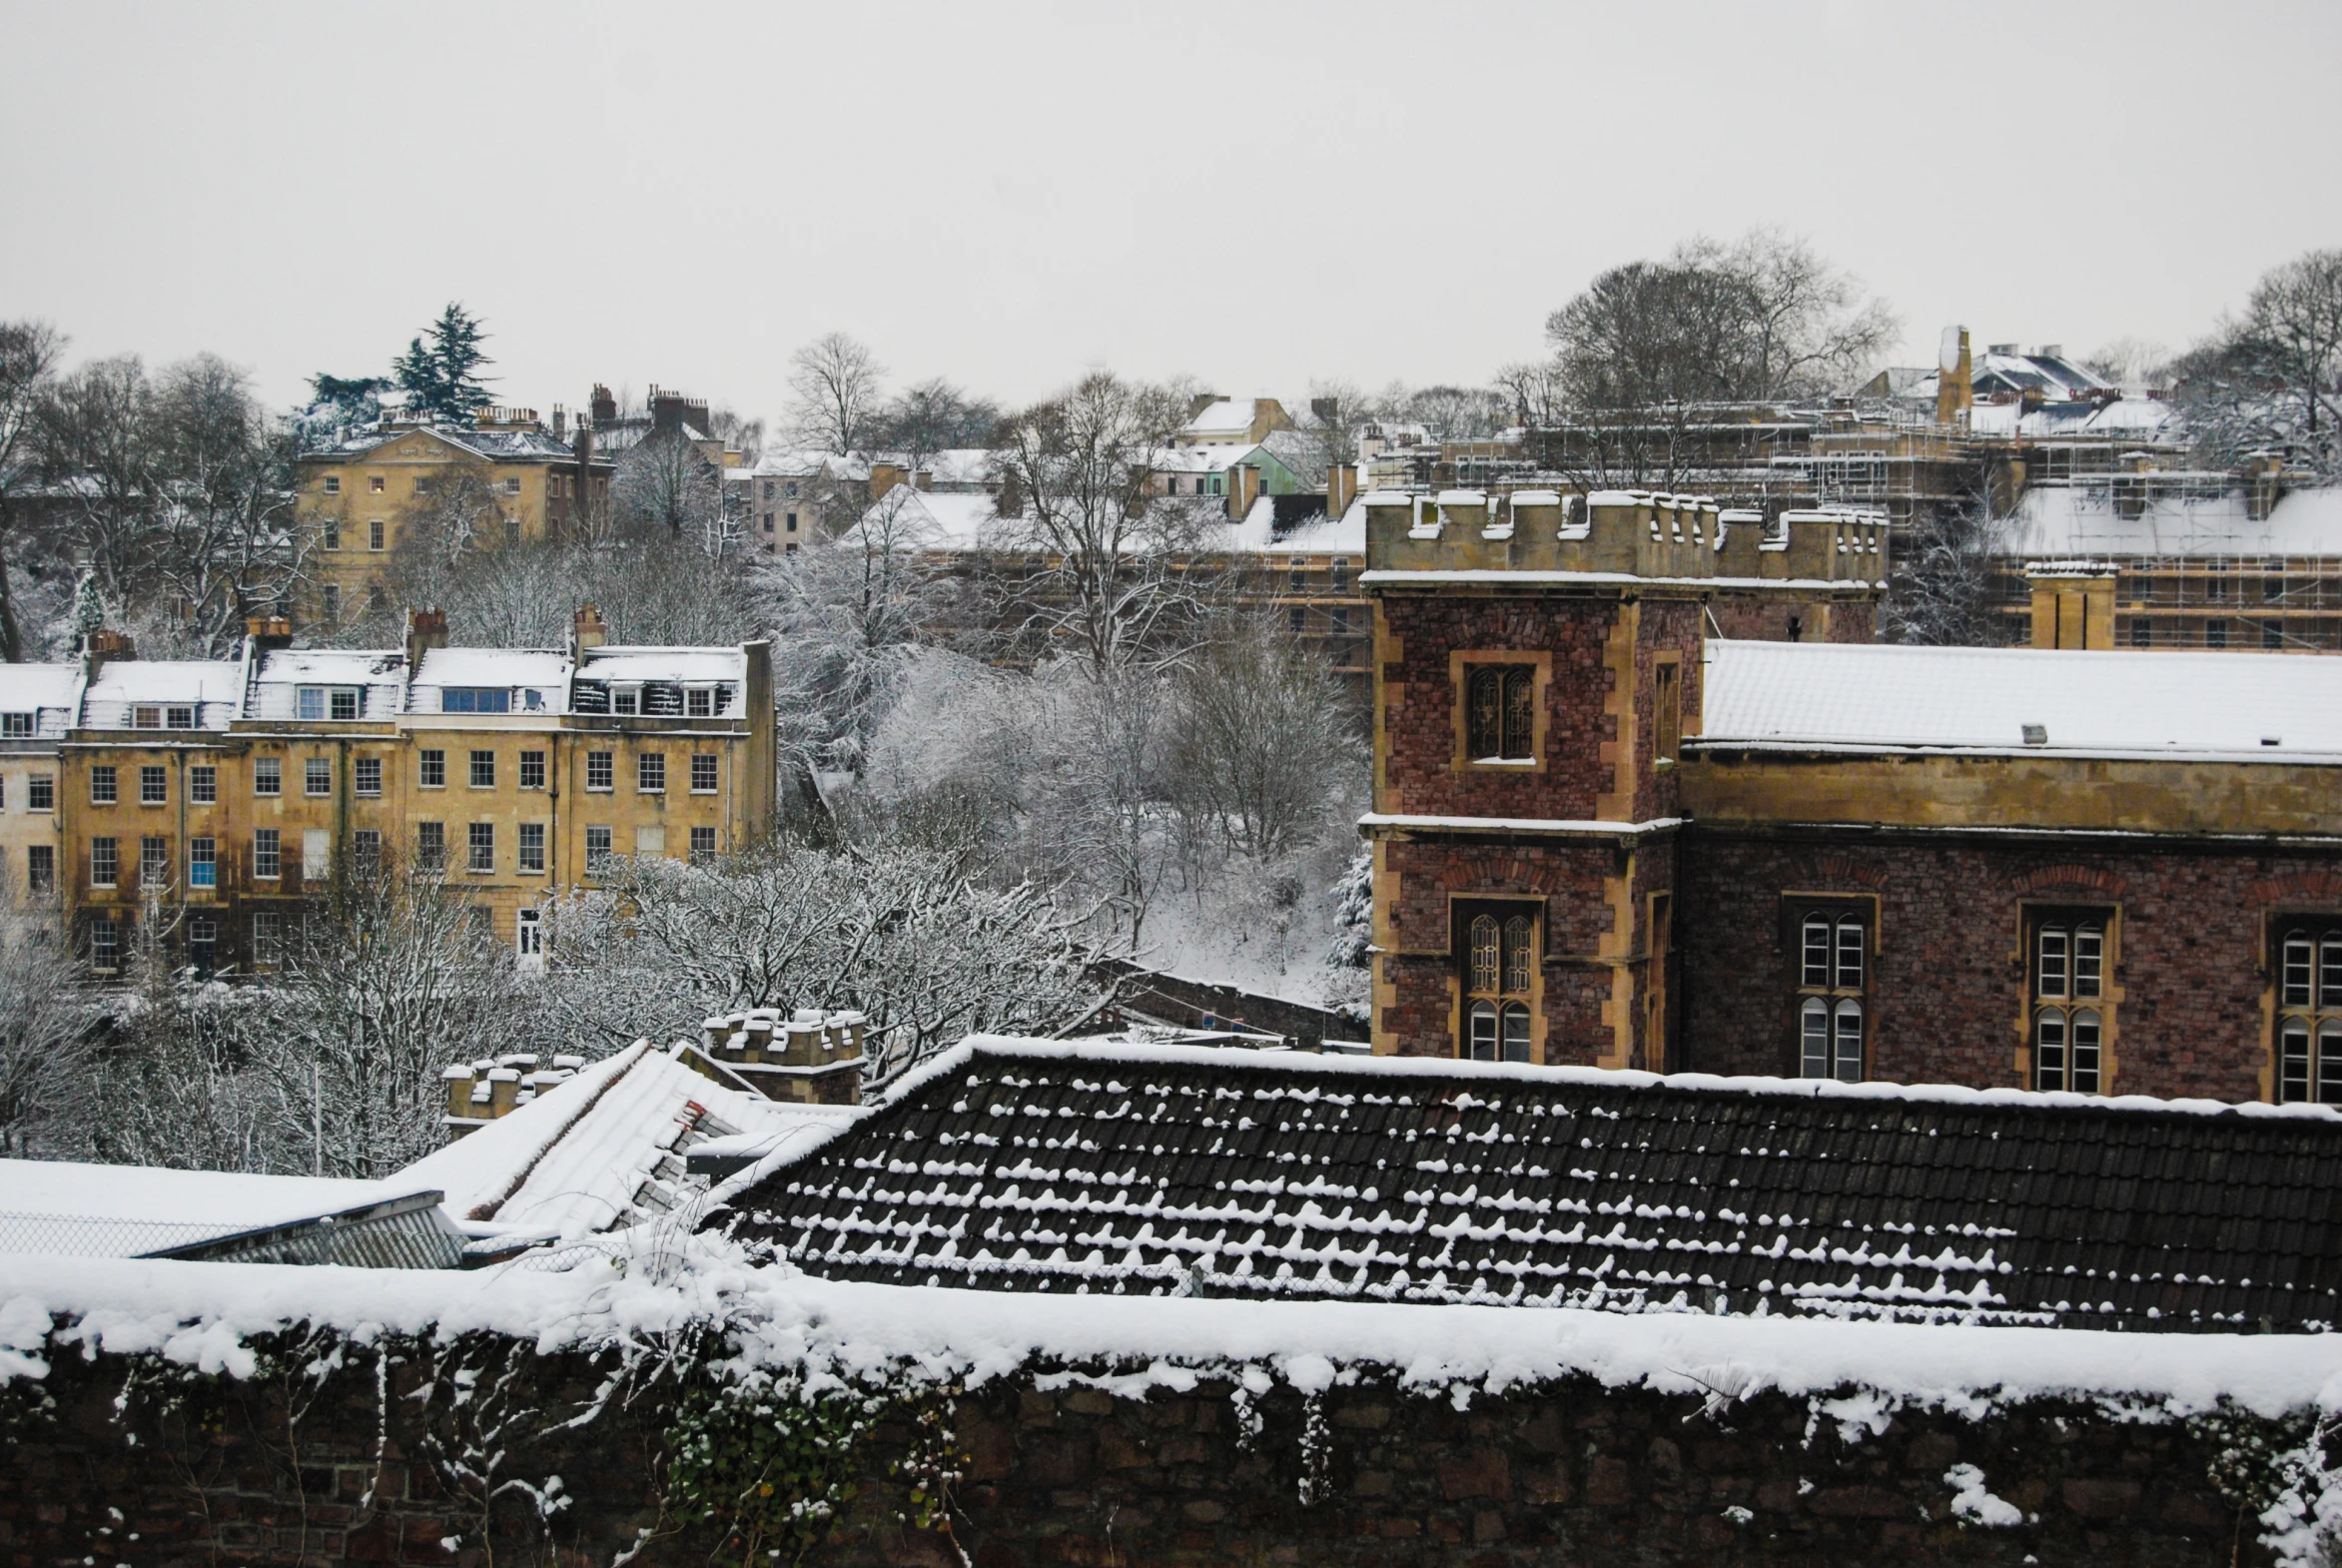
(518, 672)
(496, 445)
(1065, 1167)
(214, 687)
(690, 666)
(603, 1150)
(47, 691)
(1230, 417)
(2254, 707)
(2064, 521)
(379, 676)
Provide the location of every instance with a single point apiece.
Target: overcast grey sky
(1256, 194)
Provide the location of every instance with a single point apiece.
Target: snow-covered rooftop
(2252, 707)
(46, 690)
(214, 687)
(905, 519)
(603, 1150)
(2069, 521)
(98, 1211)
(690, 666)
(1062, 1167)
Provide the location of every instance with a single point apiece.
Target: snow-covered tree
(2270, 381)
(49, 1044)
(903, 934)
(1943, 584)
(1258, 726)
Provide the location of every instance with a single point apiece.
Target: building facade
(228, 796)
(1613, 827)
(501, 481)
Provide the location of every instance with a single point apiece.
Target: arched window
(1515, 1021)
(1850, 953)
(1833, 984)
(2310, 1012)
(1484, 953)
(2068, 950)
(2049, 1047)
(2082, 1073)
(1500, 711)
(1481, 1044)
(1499, 983)
(1813, 1038)
(1516, 955)
(1850, 1042)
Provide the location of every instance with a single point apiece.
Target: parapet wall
(1627, 532)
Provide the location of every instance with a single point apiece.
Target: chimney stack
(2073, 603)
(1955, 378)
(101, 648)
(425, 631)
(605, 406)
(1341, 488)
(269, 631)
(587, 631)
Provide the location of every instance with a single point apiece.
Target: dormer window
(625, 699)
(16, 726)
(699, 702)
(146, 718)
(476, 699)
(179, 719)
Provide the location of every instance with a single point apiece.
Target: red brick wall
(1766, 618)
(1419, 777)
(1568, 877)
(1947, 980)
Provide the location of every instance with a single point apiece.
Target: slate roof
(1083, 1167)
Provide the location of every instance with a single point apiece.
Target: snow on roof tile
(29, 687)
(1063, 1167)
(671, 664)
(2062, 520)
(2157, 704)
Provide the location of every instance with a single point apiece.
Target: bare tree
(900, 933)
(1078, 470)
(29, 351)
(932, 417)
(1945, 572)
(665, 483)
(176, 493)
(1258, 728)
(48, 1040)
(2272, 381)
(2132, 362)
(1646, 346)
(735, 430)
(834, 389)
(848, 615)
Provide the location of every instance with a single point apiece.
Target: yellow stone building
(36, 708)
(231, 792)
(403, 486)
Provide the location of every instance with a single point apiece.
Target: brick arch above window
(2074, 881)
(2300, 887)
(1839, 870)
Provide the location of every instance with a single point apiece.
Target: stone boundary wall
(194, 1470)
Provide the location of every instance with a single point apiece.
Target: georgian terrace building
(1610, 828)
(231, 791)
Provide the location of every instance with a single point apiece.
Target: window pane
(2049, 1050)
(2297, 970)
(1516, 1032)
(1482, 1044)
(1516, 955)
(1485, 720)
(2330, 972)
(2049, 973)
(1849, 954)
(2088, 950)
(1519, 712)
(1850, 1042)
(1484, 953)
(1815, 1032)
(2085, 1051)
(2330, 1063)
(1816, 955)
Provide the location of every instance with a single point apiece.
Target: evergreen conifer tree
(442, 377)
